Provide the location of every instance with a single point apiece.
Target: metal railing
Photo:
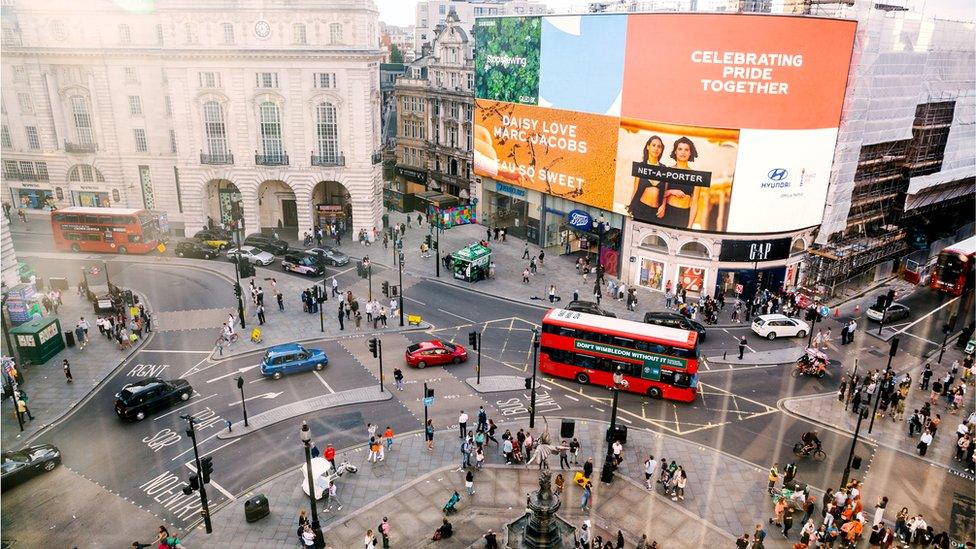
(20, 176)
(271, 160)
(225, 158)
(79, 147)
(328, 160)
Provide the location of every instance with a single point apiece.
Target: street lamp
(946, 330)
(237, 275)
(401, 288)
(535, 361)
(306, 436)
(606, 475)
(884, 379)
(850, 458)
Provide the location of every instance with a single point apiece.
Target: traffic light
(528, 382)
(394, 291)
(237, 290)
(435, 244)
(473, 340)
(430, 392)
(427, 240)
(194, 485)
(372, 346)
(206, 468)
(386, 288)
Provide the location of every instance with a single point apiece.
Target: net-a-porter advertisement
(705, 122)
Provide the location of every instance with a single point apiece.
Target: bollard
(725, 355)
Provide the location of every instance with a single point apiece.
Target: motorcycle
(812, 363)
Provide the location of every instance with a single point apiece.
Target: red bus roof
(966, 247)
(622, 328)
(100, 211)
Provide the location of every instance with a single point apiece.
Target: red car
(435, 351)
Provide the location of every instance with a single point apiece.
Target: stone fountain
(540, 527)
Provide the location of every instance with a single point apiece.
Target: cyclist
(811, 441)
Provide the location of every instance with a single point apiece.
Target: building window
(168, 102)
(20, 73)
(131, 76)
(41, 168)
(33, 141)
(467, 140)
(267, 79)
(159, 35)
(454, 80)
(327, 130)
(442, 9)
(452, 137)
(228, 33)
(5, 137)
(191, 33)
(27, 170)
(145, 180)
(125, 34)
(335, 33)
(135, 105)
(26, 105)
(172, 142)
(83, 126)
(455, 110)
(140, 136)
(298, 33)
(271, 131)
(213, 127)
(470, 81)
(209, 79)
(324, 80)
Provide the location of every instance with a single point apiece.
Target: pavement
(725, 495)
(785, 355)
(50, 395)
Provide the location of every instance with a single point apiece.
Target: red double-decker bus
(953, 265)
(112, 230)
(656, 361)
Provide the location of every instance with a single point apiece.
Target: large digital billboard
(706, 122)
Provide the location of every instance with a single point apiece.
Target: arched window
(694, 249)
(82, 119)
(85, 172)
(798, 246)
(654, 242)
(327, 130)
(213, 127)
(271, 132)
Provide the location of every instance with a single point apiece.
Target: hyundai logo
(777, 174)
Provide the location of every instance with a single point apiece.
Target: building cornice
(189, 54)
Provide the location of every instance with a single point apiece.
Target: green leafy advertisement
(507, 59)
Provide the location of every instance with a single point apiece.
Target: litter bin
(69, 338)
(256, 508)
(619, 433)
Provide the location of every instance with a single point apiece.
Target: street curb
(91, 392)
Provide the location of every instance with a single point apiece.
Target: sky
(402, 12)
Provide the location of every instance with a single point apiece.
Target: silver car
(251, 255)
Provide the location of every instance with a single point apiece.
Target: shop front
(401, 193)
(89, 197)
(32, 196)
(514, 209)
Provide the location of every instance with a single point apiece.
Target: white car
(251, 254)
(773, 326)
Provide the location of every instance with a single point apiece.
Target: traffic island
(788, 355)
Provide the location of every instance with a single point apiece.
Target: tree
(395, 55)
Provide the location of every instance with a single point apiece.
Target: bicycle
(230, 340)
(799, 450)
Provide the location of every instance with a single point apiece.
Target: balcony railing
(271, 160)
(377, 157)
(79, 147)
(20, 176)
(225, 158)
(328, 161)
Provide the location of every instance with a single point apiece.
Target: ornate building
(188, 108)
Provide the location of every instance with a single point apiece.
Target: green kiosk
(471, 263)
(38, 340)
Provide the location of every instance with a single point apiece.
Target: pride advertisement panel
(719, 122)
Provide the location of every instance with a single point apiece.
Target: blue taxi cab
(291, 358)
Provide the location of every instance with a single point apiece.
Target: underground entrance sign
(652, 362)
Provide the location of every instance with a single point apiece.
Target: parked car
(195, 248)
(773, 326)
(896, 311)
(303, 264)
(215, 238)
(291, 358)
(267, 243)
(434, 352)
(251, 255)
(588, 307)
(137, 400)
(331, 255)
(675, 320)
(25, 464)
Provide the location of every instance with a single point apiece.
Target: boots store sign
(755, 250)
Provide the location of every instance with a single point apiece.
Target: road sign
(161, 248)
(428, 401)
(824, 311)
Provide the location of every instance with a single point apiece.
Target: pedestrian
(574, 450)
(789, 473)
(525, 251)
(462, 424)
(491, 540)
(585, 498)
(385, 532)
(398, 379)
(787, 521)
(374, 450)
(552, 293)
(542, 256)
(851, 327)
(67, 370)
(469, 482)
(279, 297)
(742, 347)
(429, 434)
(335, 286)
(21, 398)
(879, 509)
(525, 276)
(329, 455)
(650, 465)
(923, 442)
(491, 431)
(773, 477)
(369, 541)
(341, 315)
(388, 437)
(260, 313)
